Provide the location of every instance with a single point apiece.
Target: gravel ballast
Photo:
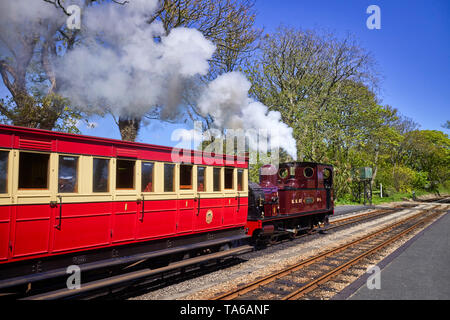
(264, 262)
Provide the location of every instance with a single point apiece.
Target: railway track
(123, 285)
(306, 278)
(441, 199)
(355, 219)
(340, 222)
(336, 224)
(108, 285)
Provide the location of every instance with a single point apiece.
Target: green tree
(302, 74)
(323, 87)
(429, 151)
(27, 70)
(446, 125)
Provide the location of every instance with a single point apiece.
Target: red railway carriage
(70, 199)
(295, 197)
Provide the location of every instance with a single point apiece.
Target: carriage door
(231, 197)
(186, 203)
(5, 202)
(35, 204)
(209, 200)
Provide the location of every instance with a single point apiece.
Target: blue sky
(412, 49)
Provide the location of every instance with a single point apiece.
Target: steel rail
(136, 275)
(373, 213)
(282, 273)
(336, 271)
(362, 217)
(353, 219)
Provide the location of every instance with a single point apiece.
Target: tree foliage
(326, 87)
(27, 71)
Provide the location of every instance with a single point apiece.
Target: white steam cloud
(24, 17)
(131, 71)
(129, 66)
(226, 100)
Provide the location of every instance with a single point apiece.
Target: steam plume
(128, 66)
(226, 100)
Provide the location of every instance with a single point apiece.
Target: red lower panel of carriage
(32, 231)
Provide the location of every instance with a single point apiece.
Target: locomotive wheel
(294, 235)
(273, 240)
(224, 247)
(310, 227)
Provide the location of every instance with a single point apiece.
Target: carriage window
(229, 178)
(100, 175)
(185, 177)
(169, 185)
(217, 181)
(147, 176)
(4, 171)
(33, 170)
(240, 180)
(67, 174)
(125, 174)
(201, 183)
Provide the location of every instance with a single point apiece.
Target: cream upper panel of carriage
(13, 137)
(28, 177)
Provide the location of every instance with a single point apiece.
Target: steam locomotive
(293, 199)
(69, 199)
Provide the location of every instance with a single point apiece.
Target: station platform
(419, 269)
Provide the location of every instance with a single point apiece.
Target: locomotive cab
(256, 200)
